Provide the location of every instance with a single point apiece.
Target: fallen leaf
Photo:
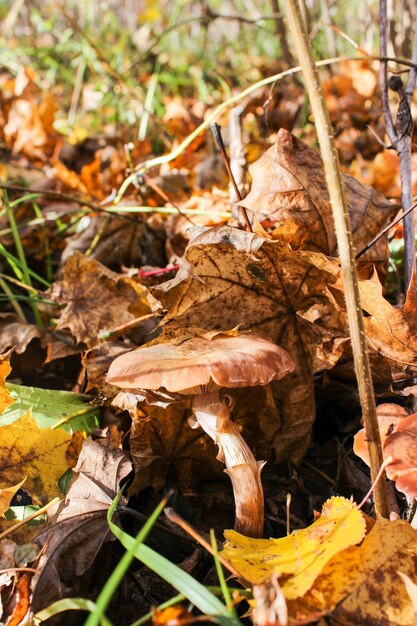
(389, 415)
(361, 585)
(283, 295)
(16, 334)
(5, 369)
(50, 407)
(289, 190)
(39, 454)
(95, 299)
(6, 495)
(299, 558)
(391, 331)
(77, 527)
(412, 592)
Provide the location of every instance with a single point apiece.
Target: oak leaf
(300, 557)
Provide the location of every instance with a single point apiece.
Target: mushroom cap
(199, 365)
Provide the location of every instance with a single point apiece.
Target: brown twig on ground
(345, 245)
(400, 138)
(216, 130)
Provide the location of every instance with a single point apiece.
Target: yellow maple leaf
(38, 453)
(300, 557)
(5, 369)
(6, 495)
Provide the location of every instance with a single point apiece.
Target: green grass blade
(121, 568)
(185, 584)
(220, 574)
(68, 604)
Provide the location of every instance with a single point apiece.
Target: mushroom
(201, 368)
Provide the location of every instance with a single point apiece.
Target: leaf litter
(282, 282)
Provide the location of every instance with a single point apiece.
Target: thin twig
(177, 519)
(29, 518)
(384, 231)
(400, 137)
(345, 245)
(217, 132)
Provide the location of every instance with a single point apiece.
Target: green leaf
(51, 408)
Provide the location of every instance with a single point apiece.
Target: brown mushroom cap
(199, 365)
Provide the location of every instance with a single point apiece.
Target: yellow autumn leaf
(5, 369)
(362, 585)
(6, 495)
(38, 453)
(300, 557)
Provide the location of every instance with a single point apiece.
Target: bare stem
(345, 246)
(245, 472)
(401, 142)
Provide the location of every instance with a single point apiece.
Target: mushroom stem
(245, 472)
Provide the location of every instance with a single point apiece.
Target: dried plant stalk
(345, 245)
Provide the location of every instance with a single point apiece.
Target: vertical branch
(280, 30)
(345, 245)
(383, 73)
(400, 138)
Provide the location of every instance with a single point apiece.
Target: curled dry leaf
(15, 333)
(95, 299)
(122, 241)
(392, 332)
(283, 295)
(399, 441)
(389, 416)
(289, 190)
(77, 528)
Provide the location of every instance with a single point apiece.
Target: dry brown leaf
(77, 528)
(289, 190)
(392, 332)
(161, 440)
(96, 299)
(15, 333)
(229, 278)
(361, 585)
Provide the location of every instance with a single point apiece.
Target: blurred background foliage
(114, 62)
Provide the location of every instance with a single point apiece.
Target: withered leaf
(77, 528)
(229, 278)
(289, 189)
(95, 298)
(161, 440)
(391, 331)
